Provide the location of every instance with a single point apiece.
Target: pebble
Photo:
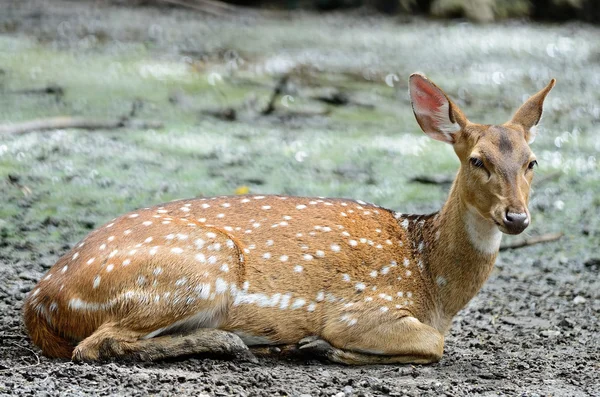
(550, 333)
(566, 323)
(579, 299)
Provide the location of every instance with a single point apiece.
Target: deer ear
(437, 115)
(529, 114)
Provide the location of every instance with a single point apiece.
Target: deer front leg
(112, 341)
(402, 341)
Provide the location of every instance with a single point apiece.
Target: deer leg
(111, 341)
(404, 341)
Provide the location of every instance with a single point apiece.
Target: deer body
(350, 280)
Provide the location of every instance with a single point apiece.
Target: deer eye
(532, 164)
(476, 162)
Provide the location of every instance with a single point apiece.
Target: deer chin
(510, 231)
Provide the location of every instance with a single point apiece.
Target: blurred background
(107, 106)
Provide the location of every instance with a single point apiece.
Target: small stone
(566, 323)
(550, 333)
(579, 299)
(340, 394)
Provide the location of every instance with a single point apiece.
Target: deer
(344, 280)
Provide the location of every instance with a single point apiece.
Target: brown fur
(367, 284)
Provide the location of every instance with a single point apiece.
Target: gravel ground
(533, 329)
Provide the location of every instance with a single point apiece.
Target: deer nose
(515, 222)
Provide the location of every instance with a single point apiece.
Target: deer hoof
(315, 346)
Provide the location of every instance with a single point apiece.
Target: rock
(550, 333)
(567, 323)
(579, 299)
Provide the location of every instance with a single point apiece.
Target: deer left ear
(437, 115)
(529, 114)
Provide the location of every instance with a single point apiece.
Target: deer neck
(459, 252)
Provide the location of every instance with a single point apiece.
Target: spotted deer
(350, 281)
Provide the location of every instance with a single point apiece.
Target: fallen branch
(212, 7)
(65, 122)
(544, 238)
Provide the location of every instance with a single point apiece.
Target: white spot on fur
(441, 281)
(298, 303)
(220, 286)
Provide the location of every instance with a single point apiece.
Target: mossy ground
(56, 186)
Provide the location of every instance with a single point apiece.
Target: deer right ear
(529, 114)
(436, 114)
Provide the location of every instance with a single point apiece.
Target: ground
(533, 328)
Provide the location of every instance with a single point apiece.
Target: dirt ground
(533, 330)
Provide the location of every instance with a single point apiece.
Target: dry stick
(544, 238)
(276, 93)
(65, 122)
(37, 357)
(51, 90)
(433, 179)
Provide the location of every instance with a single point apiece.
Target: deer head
(497, 164)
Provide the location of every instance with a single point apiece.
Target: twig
(65, 122)
(544, 238)
(51, 90)
(37, 357)
(432, 180)
(276, 92)
(16, 181)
